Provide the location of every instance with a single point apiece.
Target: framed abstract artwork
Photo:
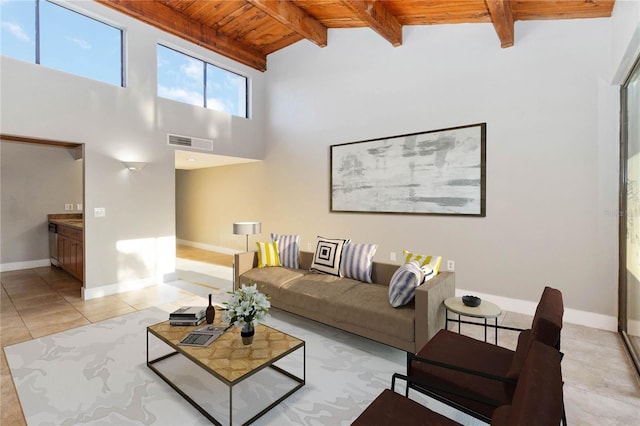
(439, 172)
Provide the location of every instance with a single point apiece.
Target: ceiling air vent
(190, 142)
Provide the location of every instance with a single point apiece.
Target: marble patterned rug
(97, 375)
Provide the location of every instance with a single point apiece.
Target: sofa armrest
(243, 262)
(429, 306)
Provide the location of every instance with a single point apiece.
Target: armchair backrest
(545, 328)
(537, 399)
(547, 322)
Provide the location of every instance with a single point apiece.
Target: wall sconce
(134, 166)
(247, 228)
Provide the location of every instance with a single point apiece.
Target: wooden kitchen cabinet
(71, 250)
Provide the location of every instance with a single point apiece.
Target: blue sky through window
(69, 41)
(18, 36)
(182, 78)
(73, 43)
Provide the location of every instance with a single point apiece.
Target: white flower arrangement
(247, 305)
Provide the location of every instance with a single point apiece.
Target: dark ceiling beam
(502, 18)
(376, 15)
(163, 17)
(294, 18)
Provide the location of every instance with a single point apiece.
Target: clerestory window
(184, 78)
(48, 34)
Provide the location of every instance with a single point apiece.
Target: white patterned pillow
(327, 257)
(357, 261)
(288, 249)
(404, 282)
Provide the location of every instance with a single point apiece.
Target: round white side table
(485, 310)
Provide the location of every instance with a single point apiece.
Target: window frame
(247, 109)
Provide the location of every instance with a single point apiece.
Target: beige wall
(552, 153)
(35, 180)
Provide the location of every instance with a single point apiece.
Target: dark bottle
(211, 312)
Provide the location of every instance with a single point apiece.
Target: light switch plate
(99, 212)
(68, 207)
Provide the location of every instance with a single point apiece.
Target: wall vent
(190, 142)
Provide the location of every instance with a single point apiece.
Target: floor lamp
(247, 228)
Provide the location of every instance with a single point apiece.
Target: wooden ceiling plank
(378, 17)
(502, 18)
(294, 18)
(167, 19)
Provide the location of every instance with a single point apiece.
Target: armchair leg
(564, 414)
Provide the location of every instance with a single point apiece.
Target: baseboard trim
(209, 247)
(169, 277)
(16, 266)
(572, 316)
(110, 289)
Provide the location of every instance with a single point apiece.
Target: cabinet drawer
(76, 234)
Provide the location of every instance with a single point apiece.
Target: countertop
(72, 220)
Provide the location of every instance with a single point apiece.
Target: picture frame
(436, 172)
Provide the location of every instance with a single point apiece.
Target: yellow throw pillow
(433, 261)
(268, 254)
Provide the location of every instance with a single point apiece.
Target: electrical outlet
(68, 206)
(79, 206)
(99, 212)
(392, 256)
(451, 265)
(309, 246)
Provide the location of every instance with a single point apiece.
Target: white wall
(134, 243)
(625, 25)
(552, 146)
(35, 180)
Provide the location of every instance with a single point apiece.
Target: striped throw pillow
(357, 261)
(288, 249)
(403, 284)
(433, 261)
(268, 254)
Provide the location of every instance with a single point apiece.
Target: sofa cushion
(270, 280)
(268, 254)
(315, 292)
(328, 255)
(288, 249)
(357, 261)
(403, 284)
(367, 305)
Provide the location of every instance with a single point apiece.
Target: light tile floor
(600, 385)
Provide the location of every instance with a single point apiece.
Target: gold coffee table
(228, 361)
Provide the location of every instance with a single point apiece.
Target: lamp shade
(247, 228)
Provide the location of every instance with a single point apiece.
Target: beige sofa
(351, 305)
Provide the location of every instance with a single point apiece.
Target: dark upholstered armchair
(476, 376)
(537, 398)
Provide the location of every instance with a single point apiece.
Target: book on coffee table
(186, 321)
(203, 336)
(188, 312)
